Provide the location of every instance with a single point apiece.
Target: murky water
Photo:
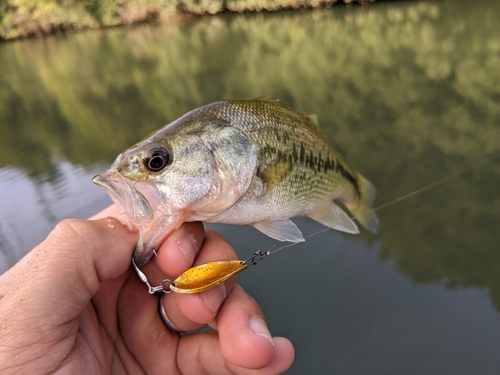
(408, 92)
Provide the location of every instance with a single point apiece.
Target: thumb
(62, 274)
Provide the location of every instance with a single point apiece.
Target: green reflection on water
(409, 93)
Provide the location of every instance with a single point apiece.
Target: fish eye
(157, 161)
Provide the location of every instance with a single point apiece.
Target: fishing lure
(203, 277)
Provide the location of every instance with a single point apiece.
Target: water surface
(408, 92)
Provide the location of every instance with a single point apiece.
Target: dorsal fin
(266, 99)
(313, 118)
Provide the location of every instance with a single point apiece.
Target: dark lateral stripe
(349, 177)
(317, 163)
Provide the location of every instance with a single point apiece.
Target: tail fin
(363, 210)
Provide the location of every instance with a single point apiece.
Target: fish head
(178, 174)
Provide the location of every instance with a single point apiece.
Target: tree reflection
(409, 93)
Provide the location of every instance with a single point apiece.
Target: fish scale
(284, 132)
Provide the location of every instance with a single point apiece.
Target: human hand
(73, 305)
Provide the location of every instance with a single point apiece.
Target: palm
(104, 341)
(73, 305)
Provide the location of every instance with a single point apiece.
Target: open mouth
(142, 207)
(126, 196)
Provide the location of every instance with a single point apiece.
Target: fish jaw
(125, 195)
(143, 208)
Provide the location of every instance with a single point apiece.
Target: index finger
(112, 210)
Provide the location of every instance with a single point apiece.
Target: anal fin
(334, 217)
(281, 230)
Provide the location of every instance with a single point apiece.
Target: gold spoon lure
(200, 278)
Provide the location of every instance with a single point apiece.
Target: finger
(215, 248)
(202, 308)
(210, 360)
(158, 350)
(175, 256)
(143, 332)
(180, 249)
(64, 272)
(10, 278)
(244, 336)
(243, 345)
(177, 318)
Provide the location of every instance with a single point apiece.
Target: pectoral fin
(335, 218)
(281, 230)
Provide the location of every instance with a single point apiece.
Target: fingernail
(213, 298)
(259, 327)
(188, 247)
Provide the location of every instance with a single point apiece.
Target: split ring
(163, 315)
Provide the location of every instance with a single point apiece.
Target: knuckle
(70, 230)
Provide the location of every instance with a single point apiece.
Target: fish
(250, 162)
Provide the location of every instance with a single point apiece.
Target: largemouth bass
(254, 162)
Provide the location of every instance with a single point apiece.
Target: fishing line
(218, 272)
(484, 160)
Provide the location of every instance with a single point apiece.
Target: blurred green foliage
(408, 93)
(102, 10)
(21, 18)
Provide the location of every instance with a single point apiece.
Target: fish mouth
(139, 203)
(126, 196)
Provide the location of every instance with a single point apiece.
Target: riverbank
(26, 18)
